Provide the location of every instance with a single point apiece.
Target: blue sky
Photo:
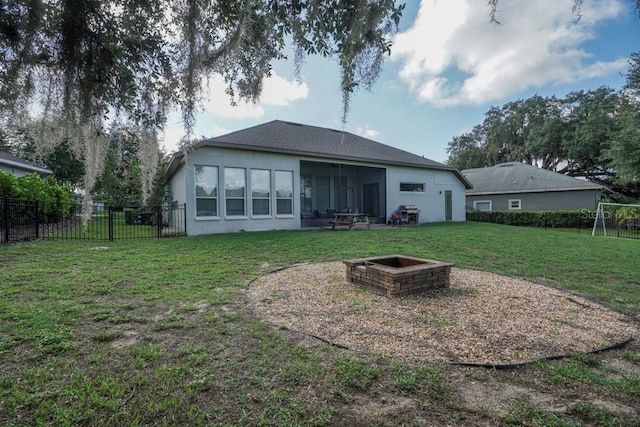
(448, 66)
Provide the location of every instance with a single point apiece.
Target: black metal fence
(577, 222)
(23, 220)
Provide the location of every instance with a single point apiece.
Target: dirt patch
(484, 318)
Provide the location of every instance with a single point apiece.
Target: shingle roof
(11, 160)
(521, 178)
(298, 139)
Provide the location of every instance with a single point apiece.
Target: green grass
(156, 332)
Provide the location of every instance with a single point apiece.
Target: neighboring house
(20, 167)
(282, 175)
(517, 186)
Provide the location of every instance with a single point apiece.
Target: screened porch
(327, 188)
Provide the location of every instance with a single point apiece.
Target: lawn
(156, 332)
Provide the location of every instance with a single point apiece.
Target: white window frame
(476, 202)
(267, 198)
(216, 198)
(519, 207)
(243, 198)
(421, 184)
(292, 198)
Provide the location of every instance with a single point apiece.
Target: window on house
(415, 187)
(261, 191)
(234, 191)
(206, 181)
(482, 205)
(284, 193)
(515, 204)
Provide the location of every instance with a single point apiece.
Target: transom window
(234, 191)
(206, 181)
(415, 187)
(261, 191)
(284, 193)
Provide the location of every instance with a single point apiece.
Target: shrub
(55, 200)
(581, 218)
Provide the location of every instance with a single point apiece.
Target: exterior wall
(548, 201)
(431, 202)
(178, 187)
(14, 170)
(209, 156)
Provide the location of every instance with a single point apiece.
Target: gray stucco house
(283, 175)
(20, 167)
(518, 186)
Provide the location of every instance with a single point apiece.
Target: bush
(55, 200)
(581, 218)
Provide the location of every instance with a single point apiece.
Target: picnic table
(350, 220)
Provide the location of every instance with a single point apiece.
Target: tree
(590, 121)
(126, 161)
(592, 134)
(466, 151)
(66, 166)
(633, 73)
(88, 62)
(624, 151)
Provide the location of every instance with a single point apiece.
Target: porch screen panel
(284, 193)
(261, 191)
(341, 193)
(323, 193)
(234, 191)
(306, 193)
(206, 182)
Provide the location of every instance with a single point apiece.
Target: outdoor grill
(409, 214)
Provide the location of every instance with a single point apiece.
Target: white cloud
(452, 55)
(218, 130)
(174, 131)
(276, 91)
(170, 140)
(367, 132)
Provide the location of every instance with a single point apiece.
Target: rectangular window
(206, 181)
(515, 204)
(284, 193)
(261, 192)
(414, 187)
(482, 205)
(234, 191)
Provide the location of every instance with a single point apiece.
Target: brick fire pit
(395, 275)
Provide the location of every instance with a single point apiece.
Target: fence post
(159, 220)
(5, 219)
(184, 215)
(37, 211)
(110, 223)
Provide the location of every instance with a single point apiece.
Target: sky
(447, 67)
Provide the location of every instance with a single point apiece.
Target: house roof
(298, 139)
(517, 177)
(15, 161)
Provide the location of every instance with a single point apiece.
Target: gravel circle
(483, 318)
